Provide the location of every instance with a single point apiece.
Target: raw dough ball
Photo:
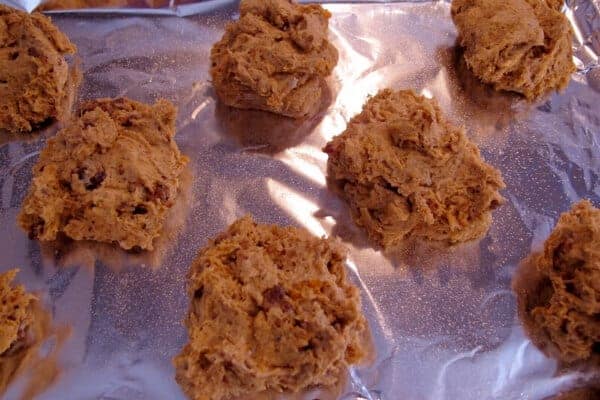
(15, 313)
(274, 58)
(271, 309)
(521, 46)
(565, 307)
(19, 328)
(110, 176)
(24, 327)
(33, 71)
(406, 171)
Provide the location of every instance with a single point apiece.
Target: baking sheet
(444, 321)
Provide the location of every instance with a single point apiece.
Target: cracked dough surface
(407, 172)
(274, 58)
(33, 71)
(271, 309)
(17, 331)
(110, 176)
(522, 46)
(565, 305)
(15, 313)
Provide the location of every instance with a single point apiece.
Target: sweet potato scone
(16, 319)
(271, 310)
(33, 72)
(274, 58)
(407, 172)
(521, 46)
(110, 176)
(15, 312)
(561, 313)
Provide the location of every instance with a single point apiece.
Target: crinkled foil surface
(444, 321)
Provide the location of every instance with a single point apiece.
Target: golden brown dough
(274, 58)
(271, 310)
(33, 71)
(16, 319)
(407, 172)
(24, 328)
(561, 312)
(110, 176)
(522, 46)
(15, 313)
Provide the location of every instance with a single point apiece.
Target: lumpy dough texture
(271, 310)
(109, 176)
(274, 58)
(15, 313)
(33, 71)
(522, 46)
(406, 171)
(567, 307)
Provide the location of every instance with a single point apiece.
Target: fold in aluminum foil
(443, 321)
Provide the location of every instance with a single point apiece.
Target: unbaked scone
(274, 58)
(16, 320)
(561, 312)
(407, 172)
(110, 176)
(521, 46)
(271, 310)
(15, 312)
(33, 72)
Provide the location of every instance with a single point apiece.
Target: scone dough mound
(33, 71)
(19, 327)
(407, 172)
(274, 58)
(522, 46)
(15, 312)
(109, 176)
(271, 310)
(567, 306)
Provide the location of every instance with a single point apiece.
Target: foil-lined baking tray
(443, 321)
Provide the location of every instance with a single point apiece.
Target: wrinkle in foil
(443, 321)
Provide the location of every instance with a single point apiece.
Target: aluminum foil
(443, 321)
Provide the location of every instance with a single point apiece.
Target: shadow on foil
(264, 132)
